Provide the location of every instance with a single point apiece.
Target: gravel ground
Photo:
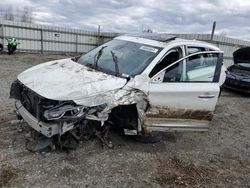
(218, 158)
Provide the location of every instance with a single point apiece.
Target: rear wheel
(126, 117)
(221, 88)
(152, 137)
(11, 49)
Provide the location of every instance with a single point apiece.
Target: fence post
(2, 28)
(99, 35)
(42, 41)
(76, 43)
(213, 29)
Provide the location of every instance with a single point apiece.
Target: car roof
(164, 40)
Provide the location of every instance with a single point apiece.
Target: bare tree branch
(19, 15)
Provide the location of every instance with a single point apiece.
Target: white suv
(141, 83)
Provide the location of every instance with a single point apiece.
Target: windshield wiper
(97, 56)
(115, 59)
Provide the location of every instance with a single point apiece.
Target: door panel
(183, 100)
(187, 97)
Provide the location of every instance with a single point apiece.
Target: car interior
(172, 56)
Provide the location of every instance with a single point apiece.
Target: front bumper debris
(47, 129)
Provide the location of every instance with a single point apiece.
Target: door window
(196, 68)
(172, 55)
(194, 49)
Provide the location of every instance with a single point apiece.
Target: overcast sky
(182, 16)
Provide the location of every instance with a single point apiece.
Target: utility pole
(213, 30)
(41, 40)
(99, 35)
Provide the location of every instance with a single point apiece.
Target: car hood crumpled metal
(67, 80)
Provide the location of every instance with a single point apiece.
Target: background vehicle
(141, 83)
(12, 45)
(238, 75)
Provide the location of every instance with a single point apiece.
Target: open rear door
(186, 97)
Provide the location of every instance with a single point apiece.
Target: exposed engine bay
(64, 124)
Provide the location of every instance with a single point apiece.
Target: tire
(11, 49)
(221, 88)
(152, 137)
(1, 47)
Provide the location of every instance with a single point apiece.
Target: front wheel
(1, 47)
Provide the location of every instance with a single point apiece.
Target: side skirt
(169, 125)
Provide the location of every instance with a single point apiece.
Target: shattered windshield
(118, 57)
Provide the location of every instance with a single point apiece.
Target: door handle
(206, 96)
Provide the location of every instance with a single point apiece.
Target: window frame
(216, 73)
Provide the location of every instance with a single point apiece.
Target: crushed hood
(68, 80)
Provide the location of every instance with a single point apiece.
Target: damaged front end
(238, 74)
(65, 122)
(65, 97)
(49, 117)
(238, 78)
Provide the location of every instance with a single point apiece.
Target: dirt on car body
(217, 158)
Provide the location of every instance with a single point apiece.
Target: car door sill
(168, 125)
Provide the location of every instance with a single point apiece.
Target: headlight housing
(65, 111)
(71, 111)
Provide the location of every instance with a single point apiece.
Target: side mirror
(76, 58)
